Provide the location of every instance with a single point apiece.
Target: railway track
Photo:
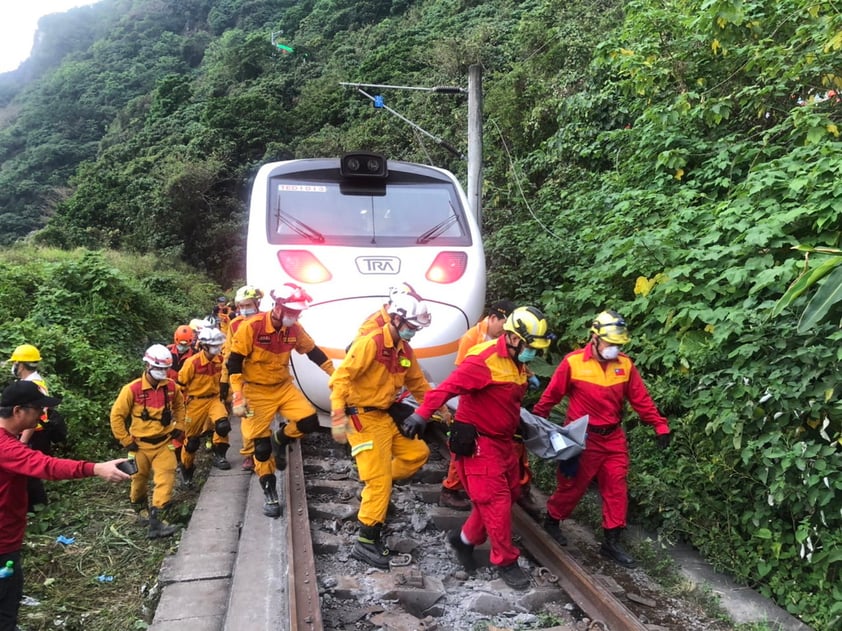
(551, 565)
(237, 569)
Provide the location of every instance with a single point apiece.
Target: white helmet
(158, 356)
(410, 309)
(211, 336)
(291, 296)
(197, 324)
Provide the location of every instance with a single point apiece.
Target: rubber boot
(464, 551)
(157, 528)
(369, 549)
(186, 476)
(553, 529)
(271, 505)
(219, 461)
(611, 548)
(142, 513)
(454, 499)
(279, 448)
(514, 576)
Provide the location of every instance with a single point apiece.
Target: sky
(18, 23)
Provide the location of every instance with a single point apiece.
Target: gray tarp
(549, 441)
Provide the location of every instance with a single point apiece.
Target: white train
(347, 229)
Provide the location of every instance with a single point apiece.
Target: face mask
(248, 311)
(213, 351)
(526, 355)
(610, 352)
(15, 371)
(288, 321)
(407, 334)
(182, 348)
(158, 374)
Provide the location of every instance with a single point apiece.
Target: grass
(108, 577)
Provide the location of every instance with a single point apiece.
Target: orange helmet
(183, 334)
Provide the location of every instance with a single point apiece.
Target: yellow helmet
(26, 353)
(610, 327)
(529, 324)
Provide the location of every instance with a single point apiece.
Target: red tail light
(448, 267)
(303, 266)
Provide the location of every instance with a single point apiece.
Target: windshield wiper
(300, 228)
(436, 231)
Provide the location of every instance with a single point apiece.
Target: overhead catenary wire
(439, 141)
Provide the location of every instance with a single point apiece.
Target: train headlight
(448, 267)
(302, 266)
(362, 164)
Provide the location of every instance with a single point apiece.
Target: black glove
(224, 389)
(132, 446)
(413, 425)
(570, 467)
(664, 440)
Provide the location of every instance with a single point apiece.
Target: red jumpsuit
(599, 389)
(491, 386)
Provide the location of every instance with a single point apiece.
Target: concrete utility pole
(475, 141)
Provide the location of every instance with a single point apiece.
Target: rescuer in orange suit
(363, 387)
(146, 417)
(204, 410)
(261, 384)
(247, 301)
(598, 379)
(490, 383)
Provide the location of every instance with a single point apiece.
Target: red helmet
(183, 334)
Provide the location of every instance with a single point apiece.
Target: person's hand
(338, 426)
(664, 440)
(238, 404)
(132, 446)
(413, 425)
(177, 434)
(534, 382)
(108, 471)
(445, 415)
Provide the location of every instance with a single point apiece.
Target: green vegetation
(659, 158)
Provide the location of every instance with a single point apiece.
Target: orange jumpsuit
(199, 379)
(364, 385)
(138, 416)
(266, 382)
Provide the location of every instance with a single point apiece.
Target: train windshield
(404, 213)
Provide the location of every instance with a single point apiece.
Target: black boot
(186, 475)
(219, 461)
(611, 547)
(514, 576)
(527, 502)
(464, 551)
(279, 448)
(553, 528)
(157, 528)
(271, 505)
(369, 549)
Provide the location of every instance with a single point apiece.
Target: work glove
(224, 389)
(534, 382)
(338, 426)
(177, 434)
(413, 425)
(238, 404)
(570, 467)
(663, 440)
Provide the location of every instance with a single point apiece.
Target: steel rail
(305, 612)
(589, 595)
